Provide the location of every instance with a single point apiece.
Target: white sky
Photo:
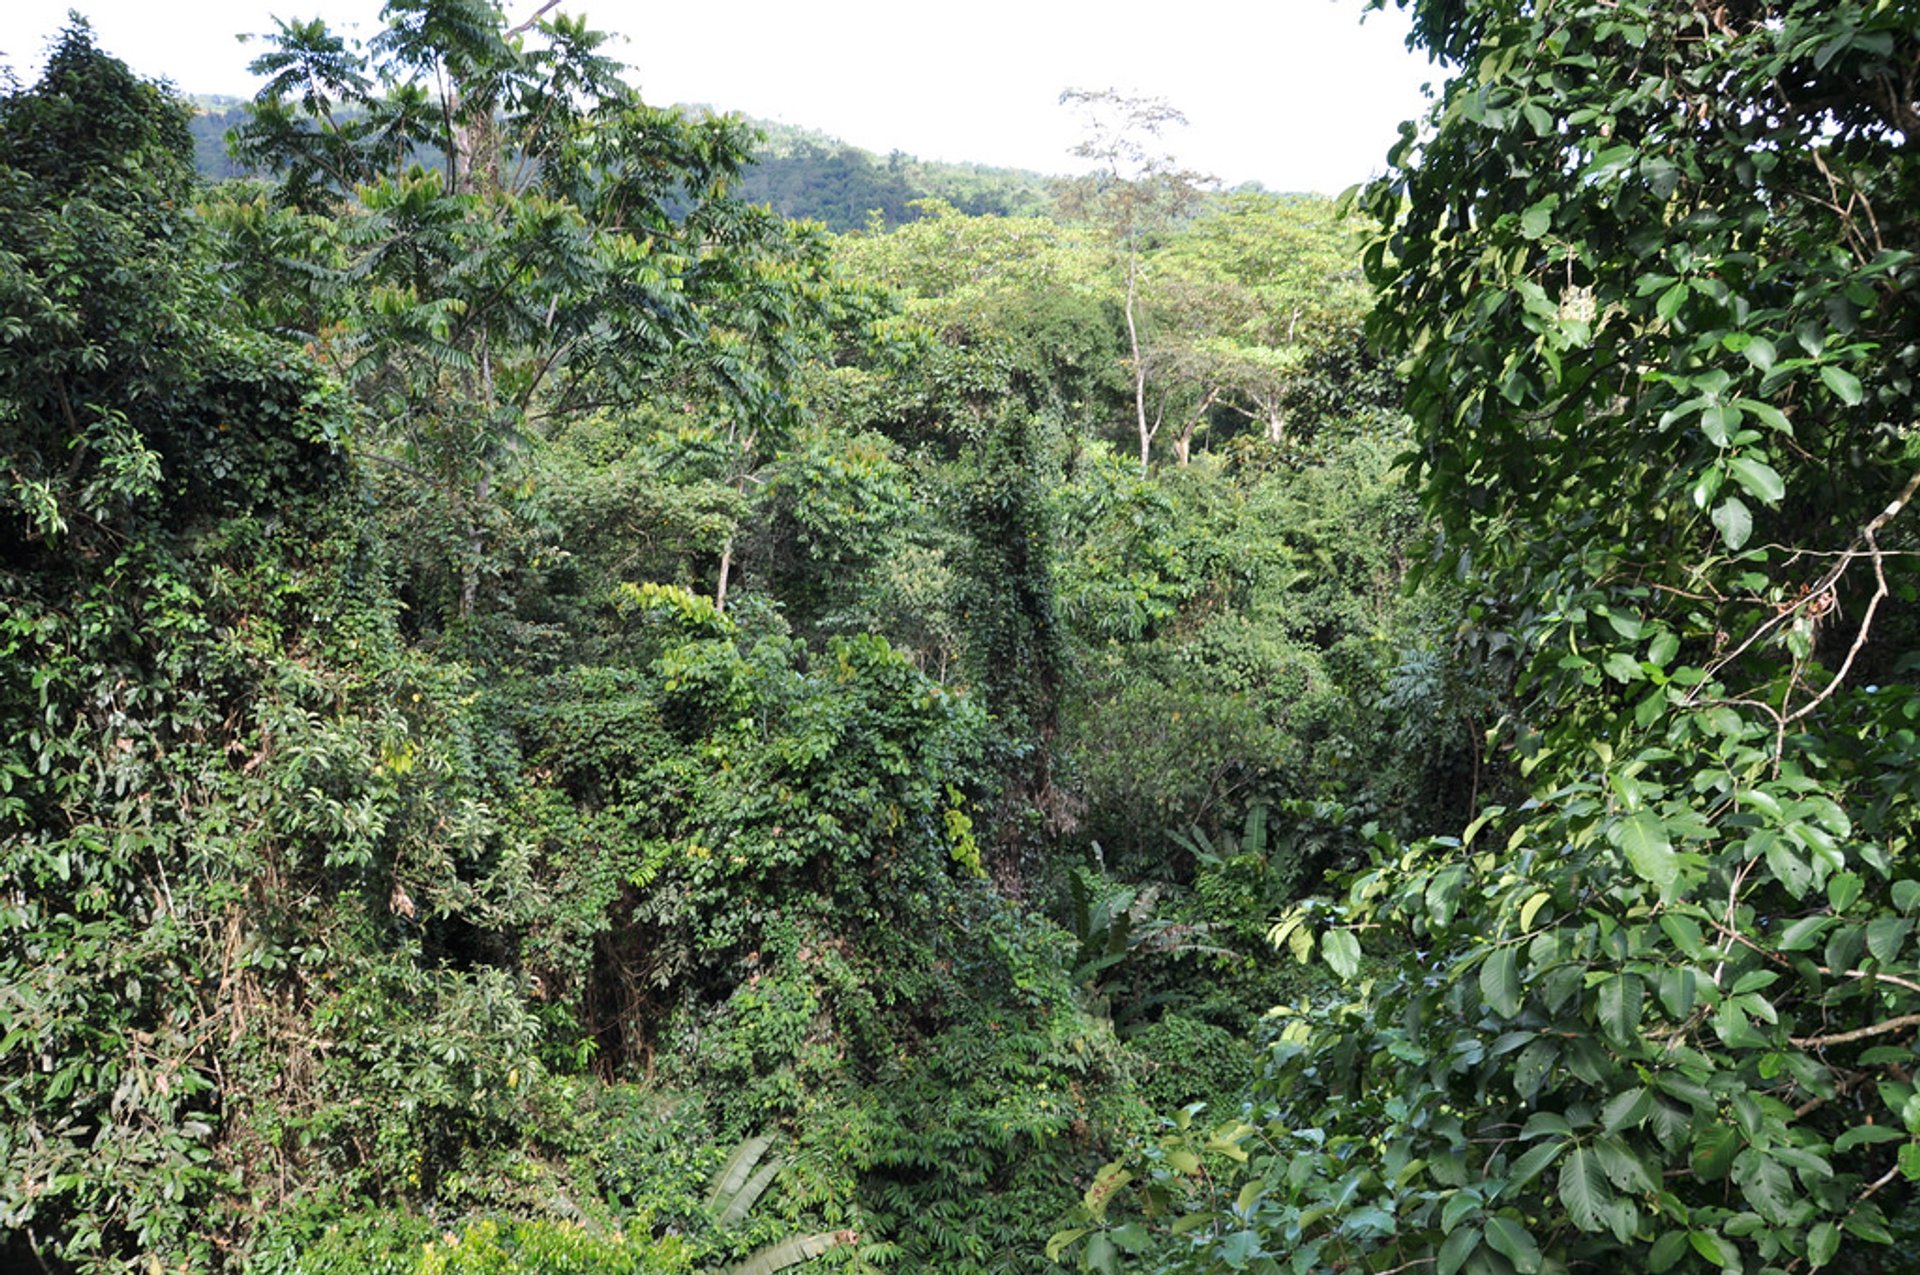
(1298, 94)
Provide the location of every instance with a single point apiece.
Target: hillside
(799, 173)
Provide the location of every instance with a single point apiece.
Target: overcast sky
(1296, 94)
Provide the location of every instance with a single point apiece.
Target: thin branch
(1901, 1023)
(536, 15)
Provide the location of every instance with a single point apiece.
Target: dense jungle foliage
(554, 719)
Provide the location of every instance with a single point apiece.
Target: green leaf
(1713, 1151)
(1622, 999)
(1512, 1240)
(1844, 384)
(1106, 1183)
(1766, 413)
(1644, 839)
(1626, 1109)
(1760, 479)
(1584, 1190)
(1500, 981)
(1533, 1163)
(1734, 522)
(1788, 867)
(1670, 301)
(1886, 936)
(1823, 1241)
(1531, 909)
(1710, 1246)
(1718, 422)
(1342, 951)
(1766, 1184)
(1623, 667)
(1666, 1251)
(1460, 1206)
(1906, 895)
(1862, 1134)
(1458, 1247)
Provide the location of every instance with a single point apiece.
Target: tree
(1262, 288)
(1132, 193)
(571, 249)
(1651, 275)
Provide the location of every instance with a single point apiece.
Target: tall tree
(1134, 192)
(573, 249)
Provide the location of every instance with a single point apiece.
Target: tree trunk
(1139, 367)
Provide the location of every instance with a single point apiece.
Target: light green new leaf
(1342, 951)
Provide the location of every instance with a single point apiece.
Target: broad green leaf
(1862, 1134)
(1239, 1249)
(1531, 909)
(1512, 1240)
(1584, 1190)
(1886, 936)
(1342, 952)
(1626, 1109)
(1459, 1246)
(1766, 1183)
(1624, 1167)
(1500, 981)
(1666, 1251)
(1531, 1067)
(1823, 1241)
(1643, 837)
(1718, 421)
(1061, 1240)
(1623, 667)
(1734, 522)
(1622, 999)
(1760, 479)
(1679, 985)
(1844, 384)
(1663, 648)
(1533, 1163)
(1111, 1177)
(1459, 1206)
(1713, 1151)
(1906, 895)
(1789, 868)
(1708, 1244)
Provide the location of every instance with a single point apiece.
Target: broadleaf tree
(1649, 268)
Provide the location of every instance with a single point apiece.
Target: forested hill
(799, 173)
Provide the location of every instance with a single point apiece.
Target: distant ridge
(800, 173)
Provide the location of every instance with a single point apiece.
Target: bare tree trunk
(726, 569)
(1139, 367)
(1183, 441)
